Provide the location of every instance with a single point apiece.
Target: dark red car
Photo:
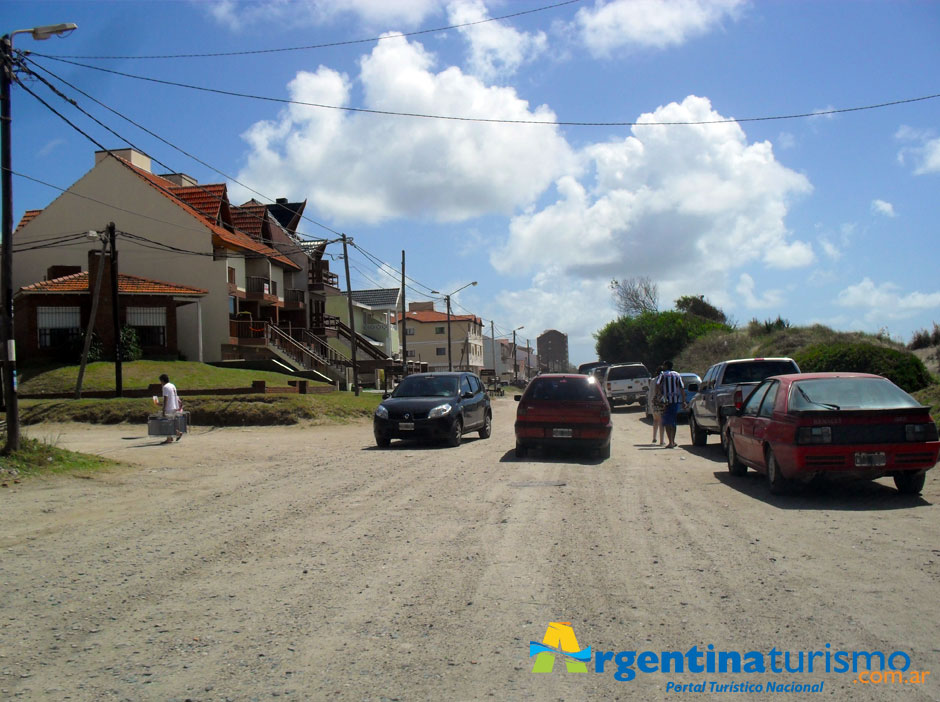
(560, 410)
(795, 427)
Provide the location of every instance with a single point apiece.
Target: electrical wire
(493, 120)
(328, 45)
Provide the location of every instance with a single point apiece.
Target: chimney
(53, 272)
(281, 201)
(132, 156)
(180, 179)
(421, 306)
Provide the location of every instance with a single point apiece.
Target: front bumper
(424, 429)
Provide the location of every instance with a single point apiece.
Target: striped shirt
(670, 387)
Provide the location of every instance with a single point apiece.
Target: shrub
(919, 340)
(130, 344)
(768, 326)
(935, 335)
(901, 367)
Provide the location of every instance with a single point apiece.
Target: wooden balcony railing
(258, 284)
(295, 296)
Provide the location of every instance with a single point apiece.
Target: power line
(493, 120)
(328, 45)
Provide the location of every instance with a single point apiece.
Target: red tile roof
(248, 218)
(127, 285)
(205, 199)
(427, 316)
(28, 217)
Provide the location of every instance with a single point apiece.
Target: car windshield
(627, 372)
(564, 390)
(756, 371)
(848, 393)
(427, 386)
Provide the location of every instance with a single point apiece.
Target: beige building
(265, 290)
(426, 338)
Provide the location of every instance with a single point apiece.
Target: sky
(712, 146)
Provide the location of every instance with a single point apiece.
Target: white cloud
(745, 290)
(786, 140)
(883, 208)
(50, 147)
(372, 13)
(835, 249)
(681, 203)
(921, 147)
(886, 301)
(496, 49)
(649, 23)
(370, 168)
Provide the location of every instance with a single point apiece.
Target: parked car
(795, 427)
(561, 410)
(718, 387)
(589, 368)
(690, 382)
(434, 406)
(625, 383)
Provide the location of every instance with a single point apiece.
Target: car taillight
(738, 398)
(920, 432)
(605, 415)
(814, 435)
(608, 387)
(520, 412)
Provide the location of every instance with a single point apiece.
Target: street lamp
(450, 365)
(6, 250)
(515, 360)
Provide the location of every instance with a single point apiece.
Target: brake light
(605, 415)
(521, 411)
(608, 387)
(920, 432)
(738, 398)
(814, 435)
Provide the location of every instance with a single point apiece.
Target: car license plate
(561, 433)
(406, 426)
(866, 460)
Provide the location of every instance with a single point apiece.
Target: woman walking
(656, 408)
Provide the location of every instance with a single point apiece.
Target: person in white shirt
(171, 404)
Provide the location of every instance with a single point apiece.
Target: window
(409, 331)
(58, 326)
(440, 330)
(441, 350)
(231, 275)
(475, 384)
(411, 353)
(465, 385)
(753, 401)
(150, 324)
(767, 408)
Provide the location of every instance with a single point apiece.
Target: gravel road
(303, 563)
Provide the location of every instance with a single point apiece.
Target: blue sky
(830, 218)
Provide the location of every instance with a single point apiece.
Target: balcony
(320, 279)
(263, 289)
(294, 299)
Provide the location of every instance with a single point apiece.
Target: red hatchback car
(563, 411)
(854, 425)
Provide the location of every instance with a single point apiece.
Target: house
(426, 331)
(552, 348)
(375, 313)
(265, 288)
(51, 316)
(503, 364)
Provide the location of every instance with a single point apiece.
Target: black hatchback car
(434, 406)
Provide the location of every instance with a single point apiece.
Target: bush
(130, 344)
(919, 340)
(901, 367)
(768, 326)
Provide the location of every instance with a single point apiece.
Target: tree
(700, 307)
(635, 296)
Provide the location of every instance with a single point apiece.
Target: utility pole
(450, 366)
(89, 332)
(493, 339)
(352, 320)
(515, 361)
(6, 271)
(115, 313)
(404, 329)
(528, 352)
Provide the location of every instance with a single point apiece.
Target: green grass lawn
(38, 458)
(186, 375)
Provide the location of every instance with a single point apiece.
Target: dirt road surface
(305, 564)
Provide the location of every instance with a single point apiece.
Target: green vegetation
(901, 367)
(186, 375)
(38, 458)
(930, 396)
(652, 337)
(235, 410)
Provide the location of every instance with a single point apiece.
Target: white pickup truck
(625, 383)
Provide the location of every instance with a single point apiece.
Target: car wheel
(699, 435)
(456, 433)
(487, 428)
(521, 450)
(604, 452)
(778, 484)
(735, 467)
(382, 441)
(909, 483)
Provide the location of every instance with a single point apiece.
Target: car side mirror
(693, 387)
(517, 398)
(386, 395)
(467, 395)
(726, 411)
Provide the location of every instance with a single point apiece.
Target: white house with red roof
(426, 329)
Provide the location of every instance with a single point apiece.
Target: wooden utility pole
(352, 320)
(404, 329)
(91, 317)
(115, 313)
(493, 339)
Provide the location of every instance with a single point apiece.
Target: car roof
(579, 376)
(438, 373)
(628, 363)
(794, 377)
(758, 358)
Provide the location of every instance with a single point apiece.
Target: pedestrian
(656, 408)
(172, 405)
(671, 391)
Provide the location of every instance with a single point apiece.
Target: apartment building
(426, 331)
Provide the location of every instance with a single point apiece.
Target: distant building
(426, 329)
(552, 348)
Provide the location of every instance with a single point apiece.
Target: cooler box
(158, 425)
(182, 421)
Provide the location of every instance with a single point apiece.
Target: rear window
(756, 371)
(564, 389)
(627, 372)
(849, 393)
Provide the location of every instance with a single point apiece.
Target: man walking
(171, 405)
(670, 389)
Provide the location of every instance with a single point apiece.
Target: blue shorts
(670, 414)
